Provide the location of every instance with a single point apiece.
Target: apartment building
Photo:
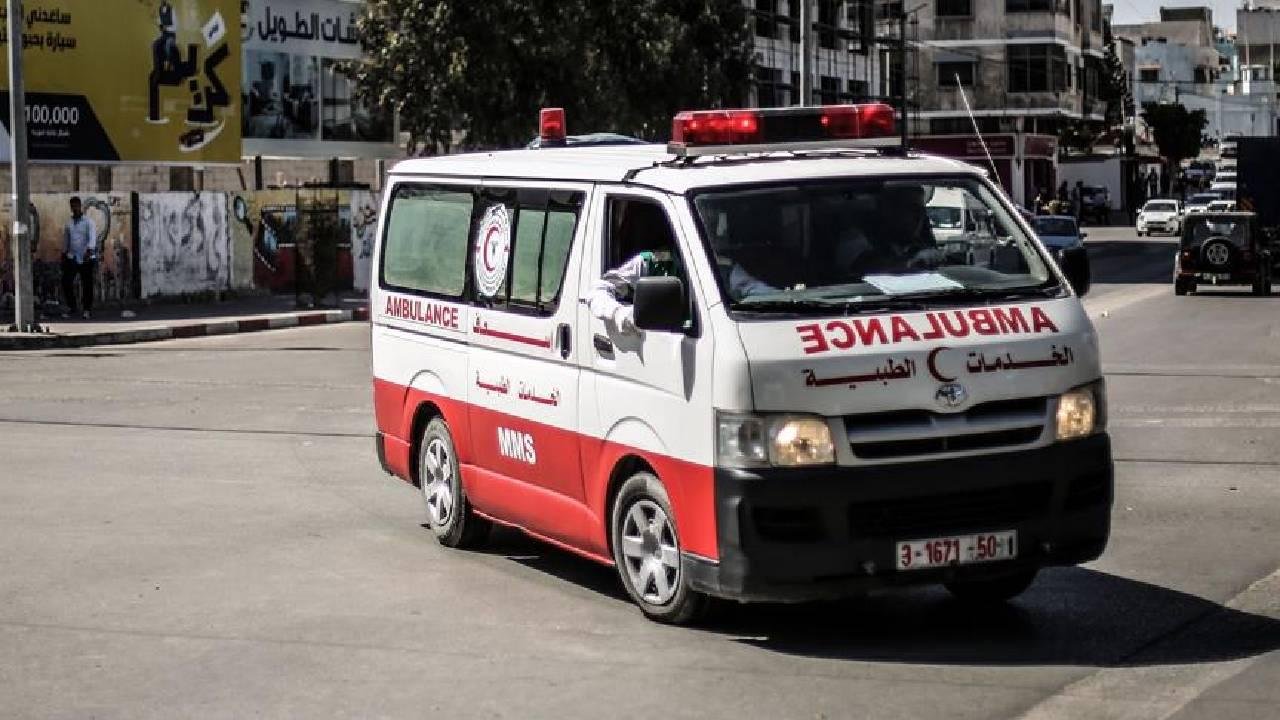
(842, 46)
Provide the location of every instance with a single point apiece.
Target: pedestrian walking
(79, 259)
(1077, 200)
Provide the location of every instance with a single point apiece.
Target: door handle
(603, 346)
(565, 339)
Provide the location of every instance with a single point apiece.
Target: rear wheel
(646, 549)
(993, 590)
(449, 514)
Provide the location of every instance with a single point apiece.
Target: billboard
(152, 81)
(297, 99)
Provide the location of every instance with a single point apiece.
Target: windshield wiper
(985, 293)
(859, 305)
(792, 305)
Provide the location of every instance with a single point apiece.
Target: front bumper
(802, 534)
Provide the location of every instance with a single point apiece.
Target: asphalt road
(199, 528)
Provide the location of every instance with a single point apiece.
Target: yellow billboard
(155, 81)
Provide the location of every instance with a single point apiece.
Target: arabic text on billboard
(139, 81)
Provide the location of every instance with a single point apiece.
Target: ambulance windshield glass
(850, 241)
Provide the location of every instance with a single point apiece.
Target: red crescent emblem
(933, 365)
(484, 250)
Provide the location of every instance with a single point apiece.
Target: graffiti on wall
(112, 217)
(364, 226)
(183, 243)
(278, 227)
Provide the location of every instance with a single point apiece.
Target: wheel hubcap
(436, 472)
(651, 552)
(1217, 254)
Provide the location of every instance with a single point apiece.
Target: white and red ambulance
(804, 395)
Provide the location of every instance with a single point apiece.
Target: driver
(901, 239)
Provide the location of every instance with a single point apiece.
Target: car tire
(992, 590)
(1139, 233)
(449, 513)
(646, 550)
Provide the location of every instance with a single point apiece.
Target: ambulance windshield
(866, 240)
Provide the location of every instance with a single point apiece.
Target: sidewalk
(166, 322)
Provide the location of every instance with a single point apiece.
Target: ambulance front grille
(987, 427)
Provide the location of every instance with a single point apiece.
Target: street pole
(24, 317)
(806, 89)
(902, 74)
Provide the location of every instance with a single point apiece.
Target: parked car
(1159, 216)
(1222, 249)
(1065, 242)
(1096, 204)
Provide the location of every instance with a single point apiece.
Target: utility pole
(24, 317)
(806, 89)
(902, 73)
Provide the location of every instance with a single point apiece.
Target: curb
(34, 341)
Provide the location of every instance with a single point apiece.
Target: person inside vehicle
(900, 240)
(645, 239)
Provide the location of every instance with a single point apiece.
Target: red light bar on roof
(717, 132)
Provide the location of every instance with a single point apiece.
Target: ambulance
(806, 397)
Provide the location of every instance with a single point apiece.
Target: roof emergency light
(551, 130)
(718, 132)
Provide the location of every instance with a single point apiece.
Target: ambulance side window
(635, 226)
(427, 237)
(543, 226)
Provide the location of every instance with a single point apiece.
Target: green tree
(477, 73)
(1114, 87)
(1177, 132)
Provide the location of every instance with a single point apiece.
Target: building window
(827, 24)
(860, 19)
(793, 19)
(891, 10)
(1095, 22)
(858, 90)
(795, 88)
(1149, 75)
(770, 91)
(767, 18)
(948, 72)
(1015, 6)
(954, 8)
(828, 90)
(1037, 68)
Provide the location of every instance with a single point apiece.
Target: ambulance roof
(611, 164)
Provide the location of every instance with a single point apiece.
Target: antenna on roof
(976, 130)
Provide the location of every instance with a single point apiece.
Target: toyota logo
(951, 395)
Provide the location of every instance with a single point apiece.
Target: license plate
(957, 550)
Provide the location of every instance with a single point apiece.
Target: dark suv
(1222, 248)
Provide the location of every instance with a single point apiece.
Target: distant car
(1096, 204)
(1199, 202)
(1199, 171)
(1159, 216)
(1062, 238)
(1221, 206)
(1222, 249)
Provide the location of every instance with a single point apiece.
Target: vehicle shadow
(1070, 616)
(1132, 262)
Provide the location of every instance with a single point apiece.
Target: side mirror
(660, 304)
(1075, 265)
(1084, 235)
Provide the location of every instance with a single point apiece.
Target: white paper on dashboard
(902, 284)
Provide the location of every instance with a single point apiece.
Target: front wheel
(646, 549)
(449, 513)
(993, 590)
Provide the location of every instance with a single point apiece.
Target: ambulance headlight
(1082, 411)
(781, 440)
